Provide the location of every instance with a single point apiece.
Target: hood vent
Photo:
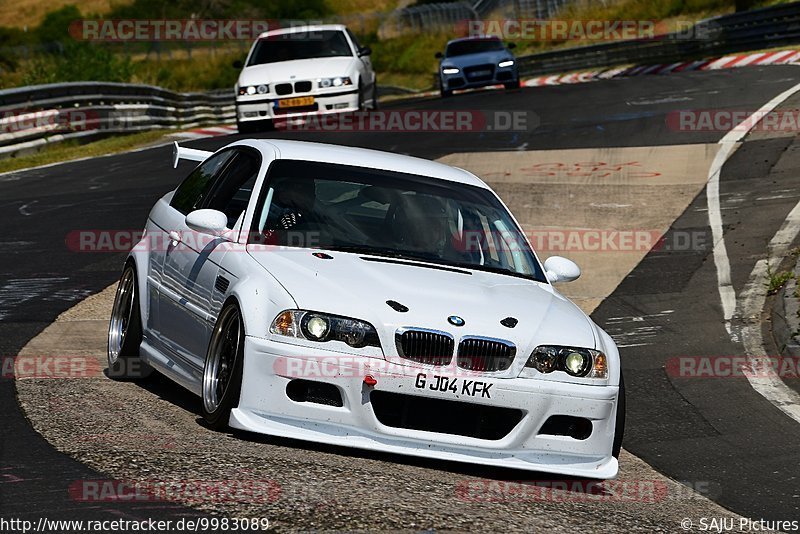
(509, 322)
(396, 306)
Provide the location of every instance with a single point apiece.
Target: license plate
(457, 386)
(295, 102)
(478, 73)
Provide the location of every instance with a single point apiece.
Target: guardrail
(34, 116)
(751, 30)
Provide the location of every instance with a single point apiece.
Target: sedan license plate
(457, 386)
(479, 73)
(295, 102)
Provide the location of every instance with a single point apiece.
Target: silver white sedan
(371, 300)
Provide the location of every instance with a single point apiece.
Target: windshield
(292, 46)
(354, 209)
(473, 46)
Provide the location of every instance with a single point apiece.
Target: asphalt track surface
(721, 432)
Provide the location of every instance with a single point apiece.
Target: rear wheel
(619, 427)
(222, 374)
(125, 331)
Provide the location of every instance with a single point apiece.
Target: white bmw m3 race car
(366, 299)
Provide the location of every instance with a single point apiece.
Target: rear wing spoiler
(192, 154)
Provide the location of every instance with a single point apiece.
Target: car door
(163, 229)
(190, 265)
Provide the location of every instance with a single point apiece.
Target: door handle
(174, 238)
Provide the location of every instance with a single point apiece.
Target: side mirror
(211, 222)
(558, 269)
(238, 64)
(511, 45)
(364, 51)
(438, 55)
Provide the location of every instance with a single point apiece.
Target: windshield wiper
(359, 249)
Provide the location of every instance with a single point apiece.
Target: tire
(222, 372)
(125, 331)
(619, 427)
(445, 93)
(362, 106)
(375, 94)
(511, 85)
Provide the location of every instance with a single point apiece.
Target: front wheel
(362, 106)
(222, 373)
(511, 85)
(375, 94)
(619, 427)
(125, 331)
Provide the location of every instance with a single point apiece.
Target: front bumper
(462, 80)
(266, 408)
(259, 108)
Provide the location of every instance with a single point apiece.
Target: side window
(190, 194)
(232, 190)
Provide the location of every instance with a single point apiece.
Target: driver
(295, 202)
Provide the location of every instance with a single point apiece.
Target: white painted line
(775, 390)
(760, 373)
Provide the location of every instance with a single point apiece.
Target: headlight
(339, 81)
(450, 70)
(252, 89)
(323, 327)
(507, 63)
(573, 361)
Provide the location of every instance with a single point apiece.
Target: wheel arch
(260, 298)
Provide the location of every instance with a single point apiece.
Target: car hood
(301, 69)
(358, 286)
(477, 59)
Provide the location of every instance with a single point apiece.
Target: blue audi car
(476, 62)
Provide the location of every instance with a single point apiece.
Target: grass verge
(69, 150)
